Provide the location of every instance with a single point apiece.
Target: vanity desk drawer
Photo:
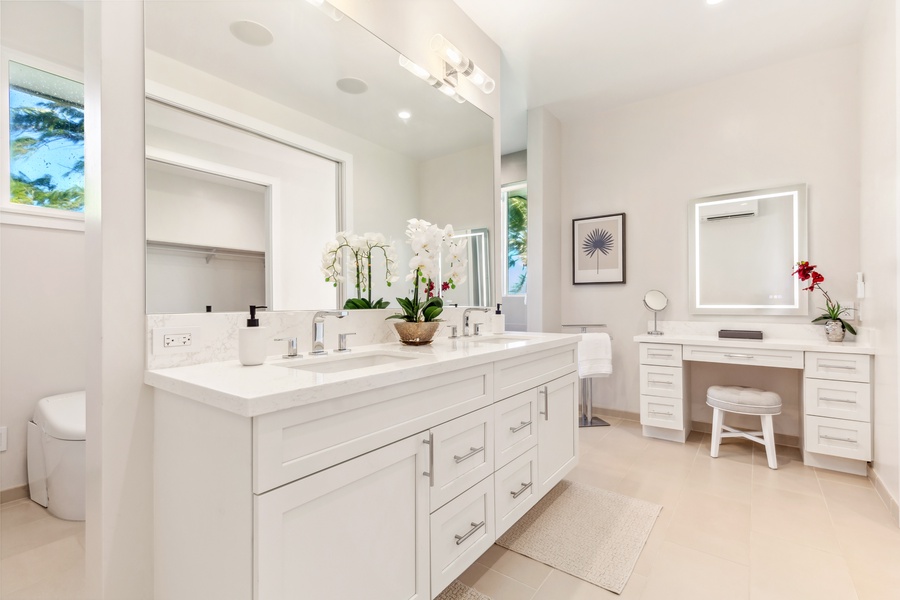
(838, 437)
(837, 399)
(761, 357)
(844, 367)
(666, 355)
(658, 411)
(661, 381)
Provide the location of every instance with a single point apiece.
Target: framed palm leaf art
(598, 249)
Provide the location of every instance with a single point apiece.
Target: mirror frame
(799, 304)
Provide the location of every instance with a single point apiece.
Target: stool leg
(769, 438)
(718, 420)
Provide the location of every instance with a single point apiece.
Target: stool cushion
(743, 400)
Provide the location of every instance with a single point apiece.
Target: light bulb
(415, 69)
(404, 114)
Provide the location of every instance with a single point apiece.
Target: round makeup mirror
(655, 301)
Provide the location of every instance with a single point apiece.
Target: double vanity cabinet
(384, 481)
(836, 391)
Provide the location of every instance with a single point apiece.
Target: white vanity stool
(744, 401)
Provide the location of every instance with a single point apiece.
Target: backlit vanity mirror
(270, 126)
(656, 302)
(742, 249)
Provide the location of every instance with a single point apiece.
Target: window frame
(505, 191)
(23, 214)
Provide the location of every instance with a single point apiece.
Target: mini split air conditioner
(729, 210)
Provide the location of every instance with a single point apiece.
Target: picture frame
(598, 249)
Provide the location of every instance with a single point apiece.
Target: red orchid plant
(833, 310)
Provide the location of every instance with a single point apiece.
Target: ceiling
(574, 56)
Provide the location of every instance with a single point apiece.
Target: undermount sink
(338, 364)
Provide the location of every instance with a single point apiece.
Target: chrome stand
(587, 401)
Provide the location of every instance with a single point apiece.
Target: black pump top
(498, 310)
(253, 321)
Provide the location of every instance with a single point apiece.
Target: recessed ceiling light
(251, 33)
(352, 85)
(404, 114)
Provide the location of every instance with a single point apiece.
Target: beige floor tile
(712, 525)
(654, 544)
(800, 518)
(562, 586)
(36, 533)
(858, 507)
(727, 477)
(683, 573)
(512, 564)
(791, 475)
(872, 558)
(733, 449)
(658, 490)
(32, 566)
(783, 570)
(847, 478)
(69, 585)
(19, 512)
(495, 584)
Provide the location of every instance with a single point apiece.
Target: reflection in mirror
(476, 289)
(655, 301)
(386, 168)
(742, 249)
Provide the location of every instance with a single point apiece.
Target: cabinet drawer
(838, 437)
(667, 355)
(761, 357)
(515, 490)
(661, 381)
(839, 399)
(461, 531)
(463, 454)
(662, 412)
(515, 426)
(831, 365)
(516, 375)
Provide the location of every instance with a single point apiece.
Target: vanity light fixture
(327, 8)
(423, 74)
(456, 63)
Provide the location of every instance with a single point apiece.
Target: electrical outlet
(172, 340)
(3, 439)
(176, 339)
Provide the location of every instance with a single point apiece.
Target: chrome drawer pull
(473, 452)
(837, 439)
(430, 472)
(525, 486)
(546, 412)
(523, 425)
(658, 382)
(846, 368)
(837, 400)
(650, 355)
(739, 356)
(659, 412)
(475, 527)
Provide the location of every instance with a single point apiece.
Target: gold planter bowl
(416, 334)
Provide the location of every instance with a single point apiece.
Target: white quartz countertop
(808, 345)
(270, 387)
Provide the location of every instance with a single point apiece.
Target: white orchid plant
(363, 249)
(430, 245)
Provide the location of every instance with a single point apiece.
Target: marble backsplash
(216, 336)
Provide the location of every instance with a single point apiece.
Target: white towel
(594, 355)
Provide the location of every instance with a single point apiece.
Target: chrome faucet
(318, 332)
(466, 319)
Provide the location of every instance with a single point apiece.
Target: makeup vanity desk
(836, 390)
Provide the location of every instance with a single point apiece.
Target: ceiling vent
(729, 210)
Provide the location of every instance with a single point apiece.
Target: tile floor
(731, 528)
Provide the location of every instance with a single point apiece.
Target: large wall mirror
(272, 125)
(742, 250)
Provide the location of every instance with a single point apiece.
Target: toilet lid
(62, 416)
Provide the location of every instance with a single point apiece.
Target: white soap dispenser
(252, 341)
(498, 321)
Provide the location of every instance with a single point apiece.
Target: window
(44, 145)
(514, 199)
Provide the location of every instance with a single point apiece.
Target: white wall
(879, 221)
(42, 346)
(795, 122)
(42, 289)
(514, 167)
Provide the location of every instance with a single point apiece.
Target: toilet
(56, 455)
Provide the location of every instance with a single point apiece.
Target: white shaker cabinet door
(557, 430)
(356, 530)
